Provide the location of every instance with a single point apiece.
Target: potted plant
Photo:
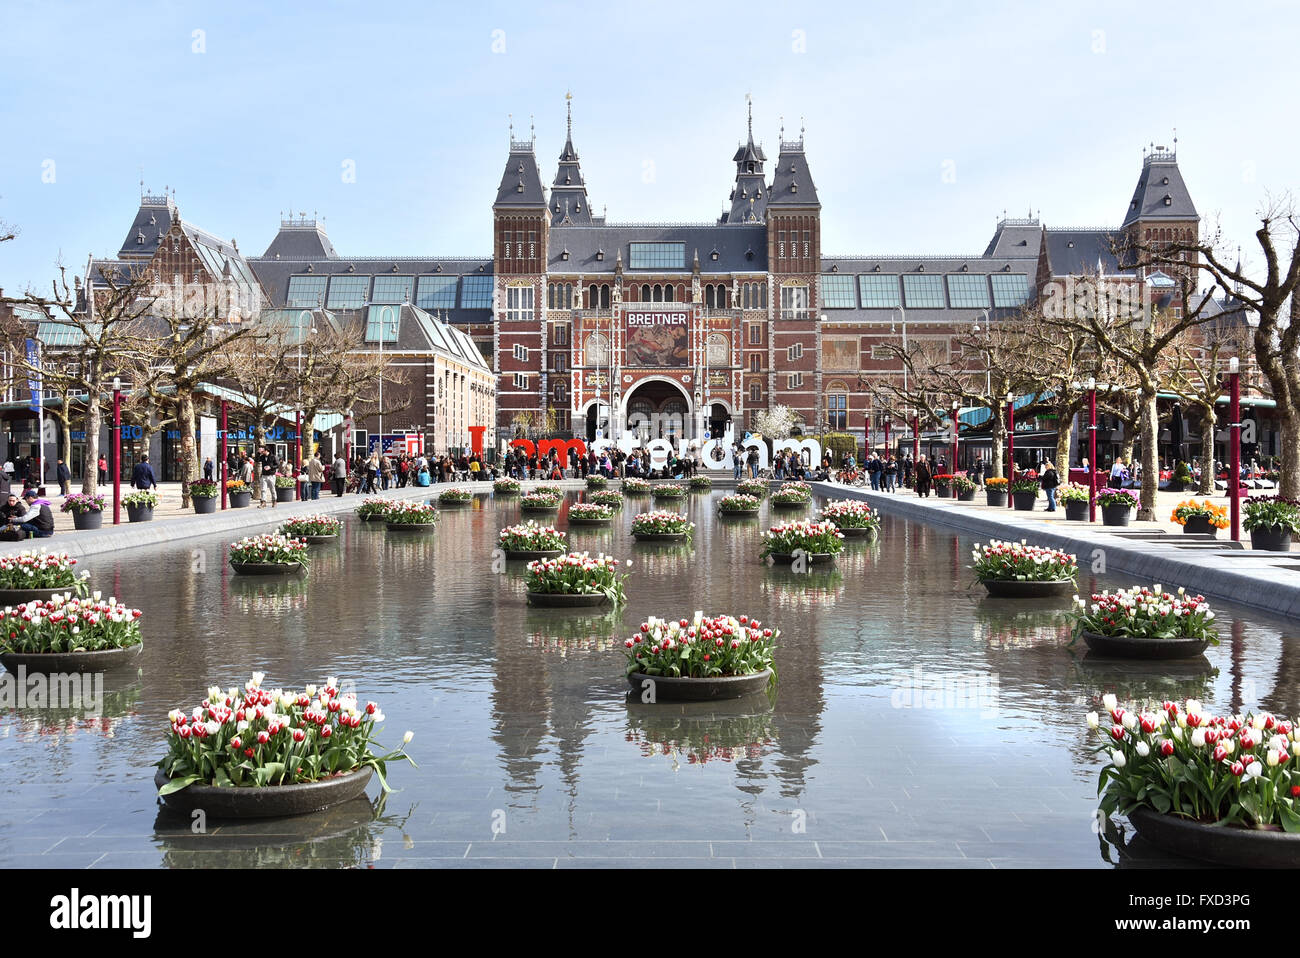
(700, 483)
(995, 491)
(707, 657)
(455, 497)
(539, 502)
(738, 505)
(1181, 479)
(854, 519)
(590, 514)
(258, 754)
(1117, 506)
(596, 481)
(375, 509)
(668, 490)
(411, 517)
(1271, 522)
(1145, 623)
(554, 491)
(532, 540)
(1220, 788)
(203, 493)
(801, 539)
(758, 488)
(87, 511)
(1018, 570)
(1024, 493)
(505, 486)
(635, 486)
(140, 505)
(313, 529)
(661, 526)
(1200, 518)
(963, 489)
(68, 634)
(792, 495)
(575, 580)
(268, 554)
(284, 488)
(238, 493)
(942, 485)
(28, 576)
(609, 498)
(1075, 497)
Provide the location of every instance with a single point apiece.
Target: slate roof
(1161, 193)
(417, 332)
(792, 183)
(152, 221)
(1016, 238)
(1076, 252)
(741, 249)
(301, 239)
(224, 261)
(521, 184)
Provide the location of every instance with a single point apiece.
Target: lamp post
(383, 331)
(1011, 447)
(916, 437)
(1234, 439)
(988, 388)
(956, 408)
(225, 453)
(1092, 449)
(117, 451)
(888, 423)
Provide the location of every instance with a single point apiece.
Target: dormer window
(749, 254)
(352, 267)
(1169, 200)
(835, 267)
(139, 239)
(1165, 181)
(577, 207)
(437, 268)
(713, 255)
(965, 268)
(794, 187)
(564, 254)
(600, 254)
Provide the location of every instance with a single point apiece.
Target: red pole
(916, 440)
(1234, 437)
(888, 423)
(1011, 451)
(225, 453)
(297, 457)
(1092, 455)
(117, 457)
(952, 463)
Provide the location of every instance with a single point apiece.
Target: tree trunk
(1126, 444)
(1289, 484)
(189, 467)
(999, 441)
(90, 463)
(1150, 455)
(1064, 442)
(1208, 424)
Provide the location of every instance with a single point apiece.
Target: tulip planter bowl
(798, 504)
(93, 519)
(566, 600)
(1116, 515)
(1200, 526)
(1076, 511)
(284, 493)
(411, 526)
(590, 521)
(269, 801)
(240, 500)
(449, 503)
(669, 688)
(16, 596)
(554, 508)
(320, 540)
(531, 555)
(1024, 501)
(1026, 589)
(857, 532)
(659, 536)
(139, 513)
(48, 663)
(738, 513)
(266, 568)
(995, 498)
(1133, 647)
(1228, 845)
(1275, 539)
(967, 496)
(812, 558)
(943, 492)
(204, 506)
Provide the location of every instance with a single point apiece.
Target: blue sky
(923, 123)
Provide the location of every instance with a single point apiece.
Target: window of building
(709, 299)
(755, 392)
(559, 362)
(434, 292)
(755, 334)
(794, 303)
(968, 290)
(521, 381)
(794, 381)
(879, 291)
(382, 320)
(519, 303)
(1010, 289)
(657, 256)
(561, 392)
(837, 412)
(755, 363)
(476, 292)
(306, 292)
(561, 337)
(645, 292)
(347, 292)
(397, 289)
(795, 352)
(923, 292)
(837, 291)
(521, 353)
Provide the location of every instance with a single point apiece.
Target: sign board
(657, 337)
(207, 440)
(719, 379)
(34, 379)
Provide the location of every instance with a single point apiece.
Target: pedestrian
(339, 474)
(208, 469)
(142, 476)
(267, 464)
(103, 469)
(1049, 480)
(63, 475)
(923, 478)
(315, 474)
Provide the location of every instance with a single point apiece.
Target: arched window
(724, 296)
(708, 296)
(762, 295)
(645, 292)
(604, 296)
(755, 393)
(669, 293)
(561, 392)
(593, 300)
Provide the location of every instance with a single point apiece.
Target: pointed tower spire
(748, 196)
(570, 205)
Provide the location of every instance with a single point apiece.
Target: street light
(956, 408)
(1234, 440)
(1092, 449)
(117, 450)
(1011, 447)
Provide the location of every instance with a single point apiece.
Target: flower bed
(758, 488)
(812, 538)
(850, 514)
(506, 486)
(662, 523)
(1271, 512)
(1233, 771)
(41, 570)
(1072, 492)
(204, 489)
(531, 536)
(597, 482)
(1018, 562)
(1216, 516)
(701, 482)
(738, 503)
(79, 503)
(608, 498)
(258, 738)
(1116, 498)
(996, 484)
(634, 486)
(706, 647)
(555, 491)
(315, 525)
(792, 493)
(375, 507)
(268, 549)
(235, 486)
(943, 480)
(578, 574)
(1146, 613)
(140, 500)
(68, 624)
(590, 512)
(540, 501)
(668, 490)
(411, 514)
(285, 482)
(455, 494)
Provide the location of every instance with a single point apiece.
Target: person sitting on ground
(37, 520)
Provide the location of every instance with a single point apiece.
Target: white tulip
(1257, 722)
(406, 739)
(1117, 757)
(1143, 749)
(1109, 702)
(1092, 719)
(1254, 770)
(1272, 759)
(1193, 707)
(1178, 733)
(1198, 738)
(1129, 721)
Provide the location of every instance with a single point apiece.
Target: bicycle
(851, 477)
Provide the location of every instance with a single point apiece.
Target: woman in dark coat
(922, 477)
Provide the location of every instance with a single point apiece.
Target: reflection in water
(702, 732)
(103, 718)
(1021, 623)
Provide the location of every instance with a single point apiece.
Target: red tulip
(1166, 748)
(1117, 732)
(248, 752)
(325, 732)
(1238, 769)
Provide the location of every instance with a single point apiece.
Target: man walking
(267, 463)
(63, 475)
(315, 474)
(339, 475)
(142, 476)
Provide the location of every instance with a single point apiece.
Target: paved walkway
(1154, 551)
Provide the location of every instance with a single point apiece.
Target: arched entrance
(658, 409)
(597, 418)
(718, 419)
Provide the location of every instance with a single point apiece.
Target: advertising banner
(657, 337)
